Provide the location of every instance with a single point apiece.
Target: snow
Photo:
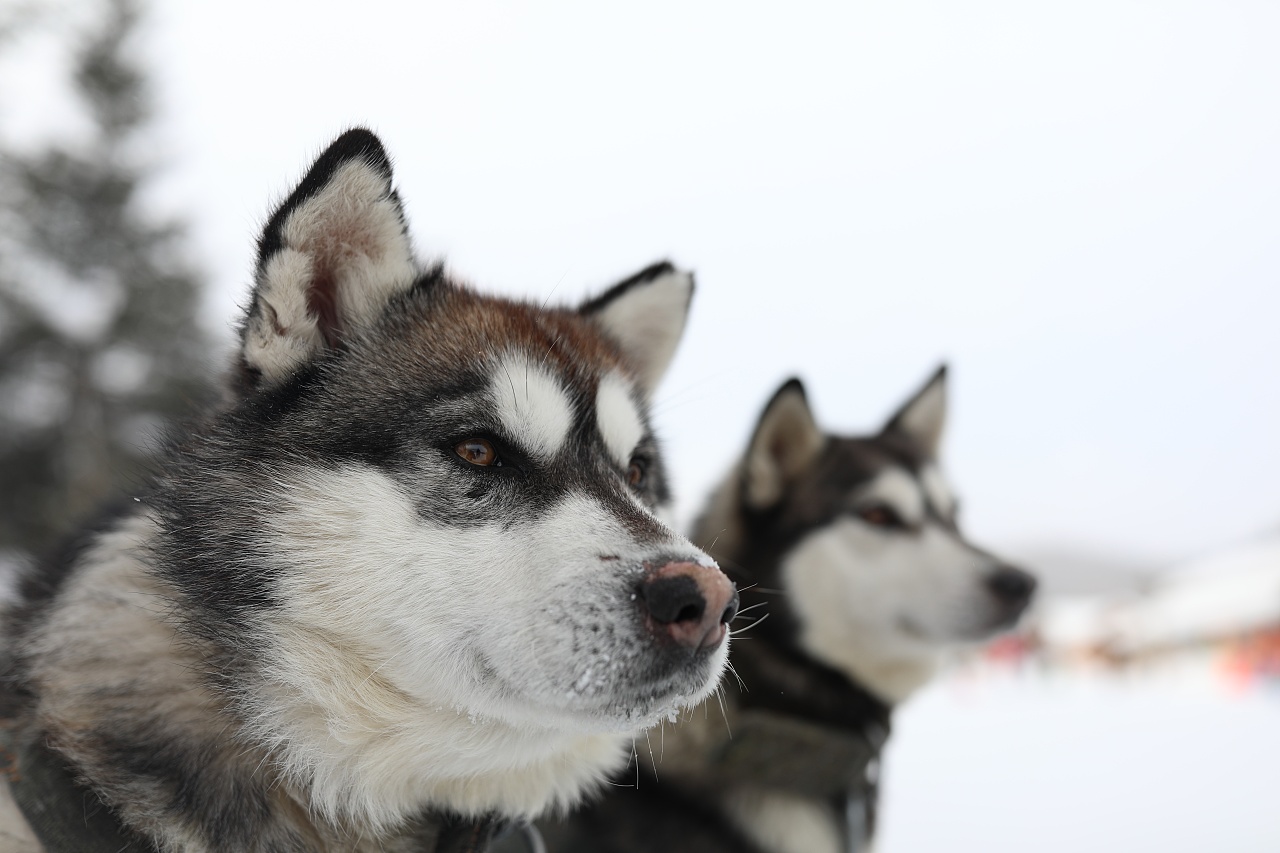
(1220, 596)
(1167, 763)
(1215, 598)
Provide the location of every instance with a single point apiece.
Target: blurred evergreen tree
(99, 340)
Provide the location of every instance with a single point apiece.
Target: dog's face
(860, 534)
(460, 493)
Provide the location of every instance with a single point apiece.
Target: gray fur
(797, 521)
(321, 628)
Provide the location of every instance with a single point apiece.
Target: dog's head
(855, 545)
(455, 497)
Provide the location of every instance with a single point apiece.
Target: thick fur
(851, 547)
(324, 628)
(882, 603)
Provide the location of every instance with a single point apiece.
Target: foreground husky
(406, 585)
(851, 546)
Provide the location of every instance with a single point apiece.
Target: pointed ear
(330, 258)
(645, 316)
(786, 442)
(923, 417)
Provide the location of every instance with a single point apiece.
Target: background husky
(852, 548)
(407, 582)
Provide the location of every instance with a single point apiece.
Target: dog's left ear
(645, 316)
(786, 442)
(329, 260)
(923, 417)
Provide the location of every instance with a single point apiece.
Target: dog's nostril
(689, 613)
(1012, 586)
(673, 599)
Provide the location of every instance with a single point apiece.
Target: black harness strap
(521, 837)
(461, 835)
(806, 729)
(770, 750)
(792, 683)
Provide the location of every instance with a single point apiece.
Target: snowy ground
(1016, 763)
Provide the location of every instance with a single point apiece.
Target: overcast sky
(1075, 204)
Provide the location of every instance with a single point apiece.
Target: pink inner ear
(322, 303)
(353, 237)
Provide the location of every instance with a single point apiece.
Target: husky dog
(406, 585)
(852, 547)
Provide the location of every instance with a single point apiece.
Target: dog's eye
(478, 451)
(637, 474)
(880, 515)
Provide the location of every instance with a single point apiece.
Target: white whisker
(723, 713)
(736, 634)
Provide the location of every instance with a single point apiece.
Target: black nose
(691, 603)
(674, 599)
(1011, 587)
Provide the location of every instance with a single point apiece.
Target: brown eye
(637, 474)
(478, 451)
(879, 515)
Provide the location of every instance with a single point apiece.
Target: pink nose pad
(689, 602)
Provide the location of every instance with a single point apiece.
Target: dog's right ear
(645, 316)
(330, 258)
(786, 441)
(923, 417)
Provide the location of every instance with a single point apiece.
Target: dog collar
(774, 751)
(803, 728)
(796, 726)
(460, 835)
(522, 837)
(790, 683)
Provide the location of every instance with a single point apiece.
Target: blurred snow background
(1004, 763)
(1141, 718)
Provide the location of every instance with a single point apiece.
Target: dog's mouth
(912, 629)
(661, 675)
(1005, 621)
(630, 685)
(976, 631)
(647, 704)
(968, 633)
